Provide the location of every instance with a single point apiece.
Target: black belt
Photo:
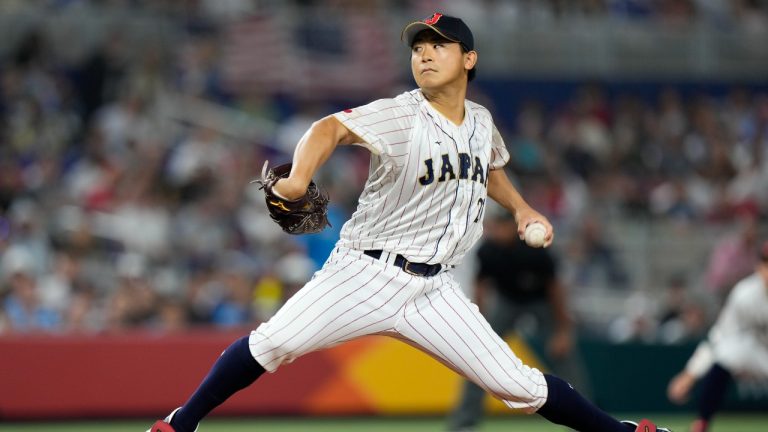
(417, 269)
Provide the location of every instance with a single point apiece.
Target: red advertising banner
(142, 374)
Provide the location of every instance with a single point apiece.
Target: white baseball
(534, 234)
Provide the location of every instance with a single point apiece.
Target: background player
(435, 159)
(518, 286)
(737, 346)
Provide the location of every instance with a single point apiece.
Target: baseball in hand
(534, 234)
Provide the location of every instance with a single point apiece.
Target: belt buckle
(406, 268)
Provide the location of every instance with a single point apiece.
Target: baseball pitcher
(435, 160)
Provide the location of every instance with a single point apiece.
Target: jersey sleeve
(726, 326)
(380, 124)
(701, 360)
(499, 153)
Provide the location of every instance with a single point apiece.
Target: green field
(679, 423)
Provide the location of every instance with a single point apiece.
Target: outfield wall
(129, 375)
(141, 374)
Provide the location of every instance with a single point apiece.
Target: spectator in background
(84, 312)
(637, 322)
(56, 287)
(29, 233)
(22, 306)
(92, 178)
(235, 306)
(133, 302)
(88, 134)
(101, 73)
(201, 293)
(683, 317)
(672, 199)
(294, 270)
(141, 222)
(671, 119)
(121, 124)
(593, 256)
(737, 347)
(279, 283)
(732, 257)
(527, 149)
(748, 122)
(171, 315)
(196, 161)
(518, 287)
(674, 298)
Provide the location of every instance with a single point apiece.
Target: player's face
(436, 62)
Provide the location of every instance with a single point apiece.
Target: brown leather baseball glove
(306, 215)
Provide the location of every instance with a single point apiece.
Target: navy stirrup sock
(235, 370)
(713, 389)
(565, 406)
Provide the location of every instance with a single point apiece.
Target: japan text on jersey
(427, 185)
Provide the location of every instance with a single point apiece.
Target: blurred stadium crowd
(123, 205)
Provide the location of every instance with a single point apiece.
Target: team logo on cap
(433, 19)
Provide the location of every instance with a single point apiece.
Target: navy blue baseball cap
(449, 27)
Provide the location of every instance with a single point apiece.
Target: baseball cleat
(645, 426)
(161, 426)
(699, 426)
(165, 424)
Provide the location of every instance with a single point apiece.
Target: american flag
(346, 55)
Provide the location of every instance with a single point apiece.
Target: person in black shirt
(517, 287)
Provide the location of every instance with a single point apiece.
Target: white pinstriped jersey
(426, 190)
(739, 338)
(424, 199)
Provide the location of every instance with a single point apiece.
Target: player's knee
(525, 395)
(524, 388)
(525, 404)
(271, 351)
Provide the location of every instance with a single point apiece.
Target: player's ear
(470, 59)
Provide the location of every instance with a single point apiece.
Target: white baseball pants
(355, 295)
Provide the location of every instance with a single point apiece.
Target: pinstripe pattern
(355, 295)
(432, 223)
